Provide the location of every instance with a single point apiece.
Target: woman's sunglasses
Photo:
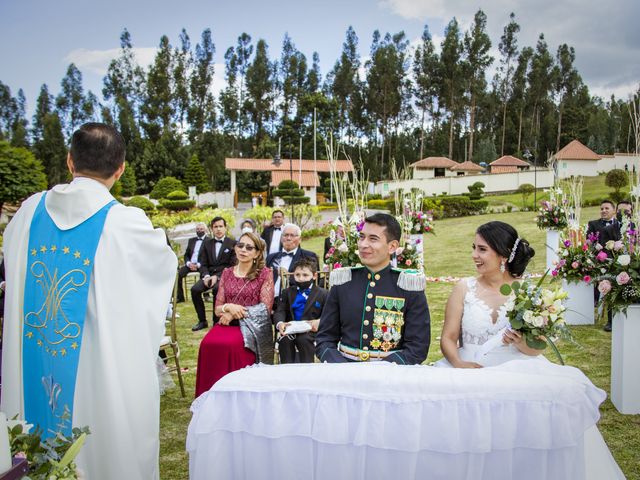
(245, 246)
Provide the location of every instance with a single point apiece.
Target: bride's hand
(512, 337)
(462, 364)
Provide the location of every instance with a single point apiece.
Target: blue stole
(56, 287)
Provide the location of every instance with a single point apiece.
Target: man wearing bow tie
(607, 218)
(272, 234)
(289, 256)
(191, 255)
(216, 254)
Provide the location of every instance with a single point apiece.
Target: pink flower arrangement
(622, 278)
(575, 265)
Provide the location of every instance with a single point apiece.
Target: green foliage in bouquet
(537, 313)
(50, 459)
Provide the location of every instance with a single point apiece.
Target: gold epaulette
(411, 280)
(338, 276)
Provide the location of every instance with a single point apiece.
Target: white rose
(343, 248)
(510, 304)
(528, 316)
(624, 260)
(538, 321)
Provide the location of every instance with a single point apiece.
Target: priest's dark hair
(391, 225)
(504, 240)
(97, 149)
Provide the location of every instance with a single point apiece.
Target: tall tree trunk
(504, 128)
(520, 128)
(472, 125)
(559, 127)
(422, 134)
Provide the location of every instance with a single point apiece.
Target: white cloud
(97, 61)
(604, 34)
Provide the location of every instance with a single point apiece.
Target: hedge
(142, 203)
(448, 207)
(177, 195)
(177, 205)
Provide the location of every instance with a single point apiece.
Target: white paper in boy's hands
(297, 327)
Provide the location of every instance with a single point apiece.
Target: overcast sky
(39, 38)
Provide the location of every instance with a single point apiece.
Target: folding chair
(169, 343)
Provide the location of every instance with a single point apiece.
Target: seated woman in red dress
(248, 283)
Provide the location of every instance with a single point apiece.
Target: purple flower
(593, 237)
(567, 243)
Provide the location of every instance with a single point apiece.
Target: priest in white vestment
(116, 389)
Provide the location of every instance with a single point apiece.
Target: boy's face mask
(304, 285)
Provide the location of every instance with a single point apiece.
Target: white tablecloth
(523, 419)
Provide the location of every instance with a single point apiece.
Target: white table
(523, 419)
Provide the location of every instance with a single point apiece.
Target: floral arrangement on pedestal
(52, 458)
(552, 215)
(344, 243)
(537, 313)
(619, 283)
(579, 261)
(419, 222)
(408, 257)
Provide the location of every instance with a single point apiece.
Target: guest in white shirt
(191, 263)
(272, 235)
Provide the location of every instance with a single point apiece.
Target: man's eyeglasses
(290, 235)
(245, 246)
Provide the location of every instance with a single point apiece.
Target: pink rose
(408, 263)
(585, 247)
(575, 265)
(623, 278)
(618, 245)
(604, 287)
(337, 265)
(602, 256)
(586, 279)
(554, 273)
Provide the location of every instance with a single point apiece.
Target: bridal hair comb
(513, 250)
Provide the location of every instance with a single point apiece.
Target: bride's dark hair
(502, 238)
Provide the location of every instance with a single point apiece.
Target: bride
(476, 310)
(475, 316)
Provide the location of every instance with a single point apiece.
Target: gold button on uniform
(370, 295)
(366, 323)
(377, 277)
(365, 336)
(372, 284)
(368, 308)
(365, 348)
(369, 276)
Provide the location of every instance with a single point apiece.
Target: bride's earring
(502, 265)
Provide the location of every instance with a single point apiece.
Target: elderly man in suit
(216, 254)
(191, 263)
(290, 254)
(272, 235)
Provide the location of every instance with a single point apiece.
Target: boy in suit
(303, 301)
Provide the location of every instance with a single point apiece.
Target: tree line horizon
(400, 105)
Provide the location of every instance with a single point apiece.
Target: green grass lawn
(446, 253)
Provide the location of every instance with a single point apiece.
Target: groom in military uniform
(375, 312)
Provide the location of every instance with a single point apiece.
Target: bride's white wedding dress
(479, 332)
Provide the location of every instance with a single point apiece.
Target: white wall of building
(494, 182)
(619, 161)
(420, 173)
(592, 168)
(223, 199)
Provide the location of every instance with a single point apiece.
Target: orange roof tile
(510, 161)
(575, 150)
(467, 166)
(434, 162)
(304, 179)
(266, 165)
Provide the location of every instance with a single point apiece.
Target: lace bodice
(477, 322)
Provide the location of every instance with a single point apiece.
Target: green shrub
(460, 207)
(177, 195)
(208, 205)
(526, 189)
(295, 200)
(165, 186)
(378, 204)
(434, 206)
(142, 203)
(166, 220)
(475, 191)
(617, 179)
(177, 205)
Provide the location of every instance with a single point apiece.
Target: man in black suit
(272, 234)
(607, 218)
(191, 263)
(216, 254)
(289, 256)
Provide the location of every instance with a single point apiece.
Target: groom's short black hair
(97, 149)
(391, 225)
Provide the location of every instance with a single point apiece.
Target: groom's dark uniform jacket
(374, 312)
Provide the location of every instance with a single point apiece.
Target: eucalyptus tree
(477, 58)
(451, 91)
(260, 88)
(158, 108)
(425, 78)
(508, 48)
(386, 85)
(566, 82)
(73, 107)
(540, 80)
(182, 66)
(201, 113)
(519, 90)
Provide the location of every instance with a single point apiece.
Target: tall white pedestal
(580, 309)
(625, 361)
(553, 240)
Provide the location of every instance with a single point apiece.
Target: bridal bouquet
(552, 215)
(579, 261)
(536, 312)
